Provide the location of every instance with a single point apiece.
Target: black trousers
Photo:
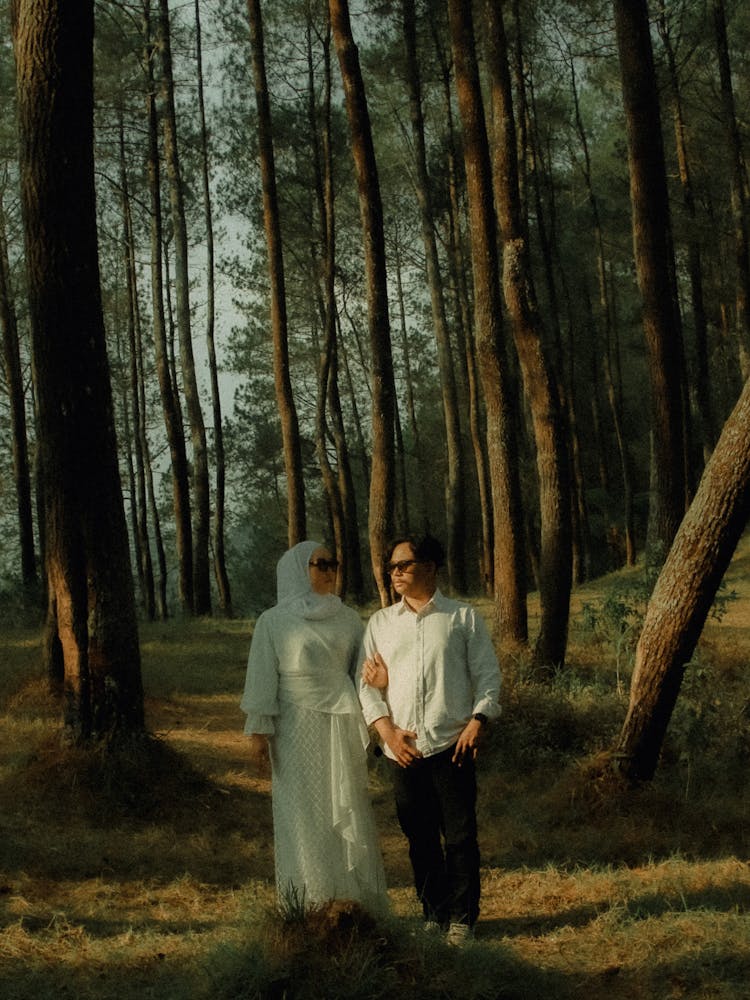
(436, 808)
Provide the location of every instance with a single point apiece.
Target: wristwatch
(480, 717)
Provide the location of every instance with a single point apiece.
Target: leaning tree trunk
(510, 591)
(87, 550)
(654, 260)
(684, 592)
(555, 552)
(272, 222)
(380, 519)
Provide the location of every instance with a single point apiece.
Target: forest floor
(151, 875)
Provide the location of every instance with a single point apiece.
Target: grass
(149, 874)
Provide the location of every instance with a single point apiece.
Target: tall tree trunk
(403, 507)
(88, 558)
(610, 346)
(738, 189)
(220, 562)
(17, 402)
(353, 581)
(380, 518)
(455, 498)
(555, 552)
(169, 401)
(297, 519)
(325, 239)
(458, 272)
(701, 382)
(510, 592)
(654, 259)
(684, 592)
(201, 491)
(143, 547)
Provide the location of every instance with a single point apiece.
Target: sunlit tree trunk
(510, 592)
(684, 592)
(220, 563)
(284, 397)
(654, 260)
(455, 492)
(555, 553)
(380, 518)
(169, 401)
(17, 404)
(87, 551)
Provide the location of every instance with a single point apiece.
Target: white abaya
(299, 690)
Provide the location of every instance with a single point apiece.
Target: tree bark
(201, 492)
(654, 260)
(297, 519)
(220, 563)
(684, 592)
(380, 517)
(87, 551)
(170, 405)
(143, 547)
(701, 383)
(555, 552)
(455, 491)
(17, 403)
(738, 189)
(510, 592)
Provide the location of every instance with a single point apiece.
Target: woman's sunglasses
(324, 564)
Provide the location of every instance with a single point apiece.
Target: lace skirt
(325, 840)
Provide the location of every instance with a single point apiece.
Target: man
(429, 683)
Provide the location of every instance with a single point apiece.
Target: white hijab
(294, 588)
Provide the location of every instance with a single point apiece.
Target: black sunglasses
(402, 565)
(324, 564)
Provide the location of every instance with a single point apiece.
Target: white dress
(299, 690)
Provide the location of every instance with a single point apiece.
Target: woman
(301, 703)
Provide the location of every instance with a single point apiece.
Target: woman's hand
(259, 756)
(375, 672)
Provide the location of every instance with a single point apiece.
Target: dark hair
(426, 548)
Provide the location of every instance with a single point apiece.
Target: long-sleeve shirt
(442, 668)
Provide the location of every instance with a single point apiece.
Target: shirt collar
(435, 601)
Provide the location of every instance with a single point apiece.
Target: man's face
(409, 577)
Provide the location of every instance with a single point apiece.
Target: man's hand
(400, 742)
(468, 742)
(375, 672)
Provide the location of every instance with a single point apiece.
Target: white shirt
(442, 668)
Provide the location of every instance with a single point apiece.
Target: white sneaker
(459, 934)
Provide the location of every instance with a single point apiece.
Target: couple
(428, 681)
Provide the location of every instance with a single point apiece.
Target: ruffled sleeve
(260, 700)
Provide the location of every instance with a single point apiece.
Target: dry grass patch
(150, 872)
